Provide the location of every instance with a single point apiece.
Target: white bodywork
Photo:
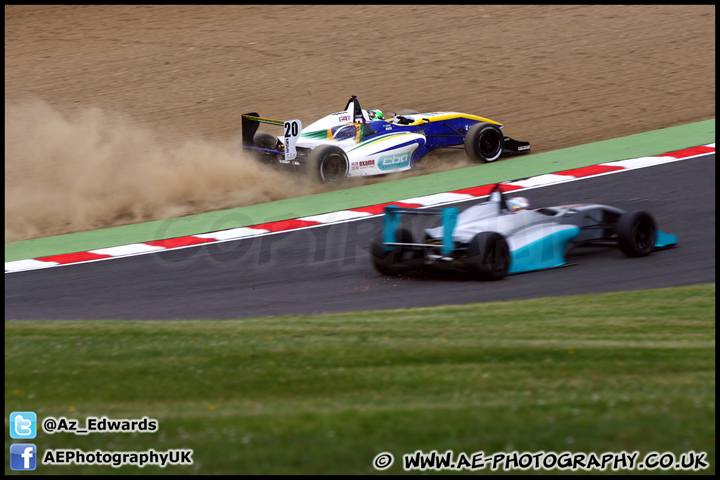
(385, 153)
(520, 228)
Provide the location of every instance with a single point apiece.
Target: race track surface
(328, 269)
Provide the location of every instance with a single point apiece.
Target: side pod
(540, 247)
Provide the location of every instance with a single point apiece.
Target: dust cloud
(93, 169)
(90, 169)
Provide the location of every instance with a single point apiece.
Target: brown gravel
(119, 114)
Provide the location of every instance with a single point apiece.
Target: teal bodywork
(391, 221)
(546, 252)
(665, 239)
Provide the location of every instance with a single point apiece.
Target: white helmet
(376, 114)
(518, 203)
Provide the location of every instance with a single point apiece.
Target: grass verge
(631, 371)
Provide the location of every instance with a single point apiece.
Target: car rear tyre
(637, 232)
(484, 142)
(265, 140)
(388, 262)
(488, 256)
(329, 164)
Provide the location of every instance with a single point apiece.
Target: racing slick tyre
(484, 142)
(265, 140)
(329, 164)
(488, 256)
(636, 232)
(388, 262)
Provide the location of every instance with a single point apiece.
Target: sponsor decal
(390, 162)
(363, 164)
(524, 147)
(292, 132)
(345, 118)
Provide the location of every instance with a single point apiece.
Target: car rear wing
(291, 128)
(448, 217)
(391, 221)
(250, 124)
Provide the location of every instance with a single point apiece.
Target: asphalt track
(327, 268)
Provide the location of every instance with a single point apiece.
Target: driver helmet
(518, 203)
(376, 114)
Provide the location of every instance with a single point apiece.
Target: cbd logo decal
(389, 162)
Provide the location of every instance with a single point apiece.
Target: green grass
(325, 394)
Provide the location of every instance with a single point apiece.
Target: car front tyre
(484, 142)
(637, 232)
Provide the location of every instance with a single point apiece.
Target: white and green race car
(355, 142)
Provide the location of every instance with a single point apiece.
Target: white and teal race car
(501, 237)
(355, 142)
